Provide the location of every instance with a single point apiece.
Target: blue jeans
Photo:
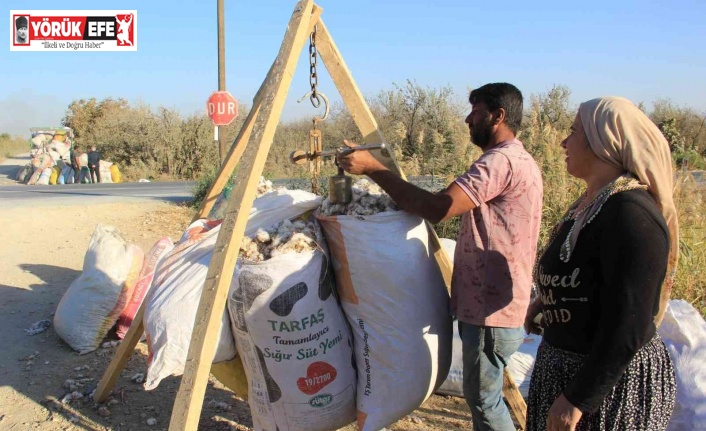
(486, 352)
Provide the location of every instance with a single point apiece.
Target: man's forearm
(413, 199)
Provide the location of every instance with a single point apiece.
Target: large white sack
(104, 168)
(39, 140)
(684, 332)
(520, 365)
(394, 297)
(174, 298)
(295, 344)
(61, 148)
(93, 302)
(173, 302)
(43, 179)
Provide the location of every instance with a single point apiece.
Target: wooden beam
(363, 118)
(188, 404)
(514, 399)
(122, 355)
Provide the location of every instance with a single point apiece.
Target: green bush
(204, 183)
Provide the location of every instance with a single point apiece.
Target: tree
(83, 115)
(553, 107)
(688, 123)
(671, 132)
(426, 126)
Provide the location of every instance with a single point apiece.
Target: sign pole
(220, 131)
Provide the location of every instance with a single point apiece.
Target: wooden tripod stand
(251, 148)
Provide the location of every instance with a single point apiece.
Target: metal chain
(313, 77)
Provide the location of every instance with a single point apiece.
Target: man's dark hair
(501, 95)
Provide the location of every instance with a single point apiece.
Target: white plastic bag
(295, 344)
(172, 305)
(174, 298)
(684, 333)
(104, 168)
(394, 297)
(93, 302)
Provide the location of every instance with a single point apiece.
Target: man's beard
(480, 136)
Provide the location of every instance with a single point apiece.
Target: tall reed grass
(12, 146)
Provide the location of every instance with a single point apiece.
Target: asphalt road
(71, 194)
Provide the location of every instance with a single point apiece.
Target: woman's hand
(532, 327)
(563, 416)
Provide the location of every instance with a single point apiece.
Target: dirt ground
(42, 253)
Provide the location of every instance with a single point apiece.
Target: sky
(643, 50)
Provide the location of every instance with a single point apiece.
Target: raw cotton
(287, 237)
(367, 199)
(263, 187)
(291, 334)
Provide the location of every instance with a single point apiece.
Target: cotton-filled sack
(394, 298)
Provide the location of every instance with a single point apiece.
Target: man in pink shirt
(499, 200)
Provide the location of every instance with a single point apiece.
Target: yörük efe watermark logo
(73, 30)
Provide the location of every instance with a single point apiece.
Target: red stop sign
(222, 108)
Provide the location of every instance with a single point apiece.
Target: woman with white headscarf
(604, 280)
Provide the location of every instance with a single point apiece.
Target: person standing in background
(75, 156)
(94, 160)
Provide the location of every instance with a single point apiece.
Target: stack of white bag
(290, 332)
(95, 300)
(394, 297)
(179, 278)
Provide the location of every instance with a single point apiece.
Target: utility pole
(220, 131)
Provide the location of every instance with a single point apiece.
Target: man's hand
(359, 162)
(563, 416)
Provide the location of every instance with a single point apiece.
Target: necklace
(620, 184)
